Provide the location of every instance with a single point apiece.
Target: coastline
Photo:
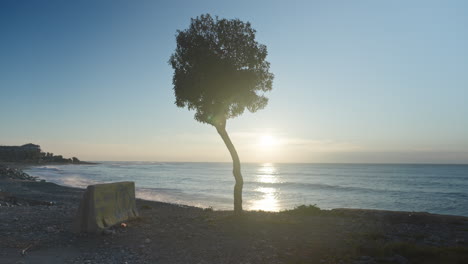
(275, 187)
(169, 233)
(23, 165)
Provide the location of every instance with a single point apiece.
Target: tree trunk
(236, 168)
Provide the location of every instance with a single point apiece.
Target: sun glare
(267, 141)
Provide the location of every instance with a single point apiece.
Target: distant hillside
(32, 153)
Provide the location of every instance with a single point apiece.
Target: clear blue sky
(356, 81)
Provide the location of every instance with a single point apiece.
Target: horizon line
(250, 162)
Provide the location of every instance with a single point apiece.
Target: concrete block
(104, 205)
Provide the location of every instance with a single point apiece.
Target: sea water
(439, 189)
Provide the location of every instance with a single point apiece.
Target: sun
(267, 141)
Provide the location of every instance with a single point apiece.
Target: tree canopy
(220, 69)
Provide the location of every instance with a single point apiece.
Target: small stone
(396, 259)
(108, 232)
(365, 260)
(147, 241)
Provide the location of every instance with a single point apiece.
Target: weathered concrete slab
(104, 205)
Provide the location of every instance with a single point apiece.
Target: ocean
(441, 189)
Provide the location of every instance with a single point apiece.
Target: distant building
(30, 146)
(31, 153)
(25, 153)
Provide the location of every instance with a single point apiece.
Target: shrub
(311, 209)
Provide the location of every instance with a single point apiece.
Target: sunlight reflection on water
(267, 200)
(440, 189)
(267, 173)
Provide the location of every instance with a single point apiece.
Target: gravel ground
(36, 220)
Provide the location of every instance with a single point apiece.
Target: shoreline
(23, 166)
(203, 203)
(33, 164)
(170, 233)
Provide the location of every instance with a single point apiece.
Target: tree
(219, 71)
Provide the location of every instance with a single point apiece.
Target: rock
(365, 260)
(104, 205)
(15, 174)
(108, 232)
(147, 241)
(396, 259)
(400, 259)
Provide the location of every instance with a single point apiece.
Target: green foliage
(208, 209)
(304, 210)
(220, 69)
